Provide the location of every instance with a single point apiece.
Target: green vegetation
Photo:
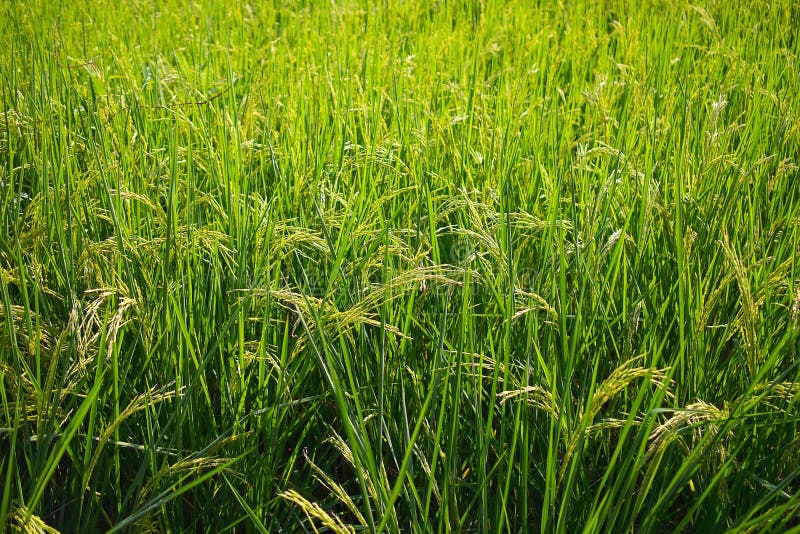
(475, 266)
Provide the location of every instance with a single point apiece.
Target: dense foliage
(482, 266)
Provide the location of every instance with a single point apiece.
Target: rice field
(400, 266)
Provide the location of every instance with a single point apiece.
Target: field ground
(482, 266)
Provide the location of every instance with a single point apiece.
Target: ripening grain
(482, 266)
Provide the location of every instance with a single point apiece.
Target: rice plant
(484, 266)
